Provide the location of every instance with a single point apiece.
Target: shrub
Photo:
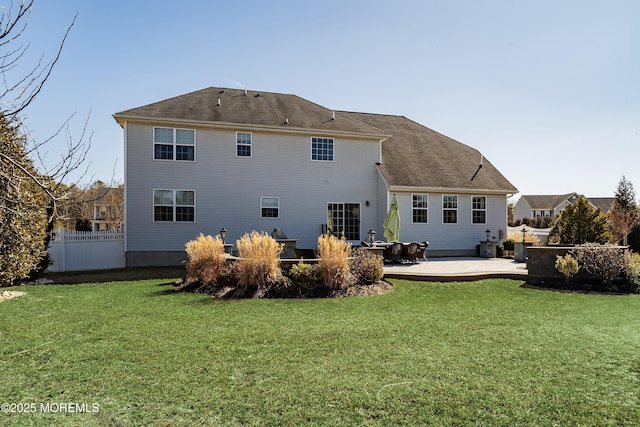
(259, 263)
(366, 267)
(603, 261)
(205, 259)
(334, 262)
(632, 270)
(567, 265)
(508, 245)
(580, 222)
(306, 276)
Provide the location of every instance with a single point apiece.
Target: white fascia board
(120, 118)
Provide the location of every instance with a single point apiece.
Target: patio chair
(393, 252)
(410, 252)
(422, 247)
(365, 244)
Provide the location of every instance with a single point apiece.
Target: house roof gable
(548, 201)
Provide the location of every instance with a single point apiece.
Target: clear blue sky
(548, 91)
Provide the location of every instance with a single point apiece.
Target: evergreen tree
(623, 216)
(23, 208)
(580, 222)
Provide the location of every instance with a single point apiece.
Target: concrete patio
(457, 268)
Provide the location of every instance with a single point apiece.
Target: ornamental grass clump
(633, 270)
(259, 264)
(334, 262)
(206, 259)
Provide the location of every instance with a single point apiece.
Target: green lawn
(481, 353)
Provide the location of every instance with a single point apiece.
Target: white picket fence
(72, 250)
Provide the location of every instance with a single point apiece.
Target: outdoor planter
(520, 251)
(488, 249)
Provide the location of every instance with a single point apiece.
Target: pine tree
(623, 216)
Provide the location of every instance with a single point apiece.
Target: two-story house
(108, 209)
(246, 160)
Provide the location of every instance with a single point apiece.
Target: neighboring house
(108, 209)
(604, 203)
(246, 160)
(539, 206)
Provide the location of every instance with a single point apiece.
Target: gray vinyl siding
(464, 235)
(522, 209)
(228, 188)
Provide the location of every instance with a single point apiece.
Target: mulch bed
(228, 292)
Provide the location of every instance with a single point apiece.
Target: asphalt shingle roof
(249, 108)
(548, 201)
(416, 156)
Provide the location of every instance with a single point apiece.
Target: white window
(243, 144)
(322, 149)
(449, 209)
(419, 208)
(269, 207)
(174, 205)
(174, 144)
(479, 209)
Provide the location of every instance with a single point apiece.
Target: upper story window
(243, 144)
(269, 207)
(419, 208)
(174, 144)
(322, 149)
(449, 209)
(174, 205)
(479, 209)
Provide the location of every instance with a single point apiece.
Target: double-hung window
(174, 205)
(479, 209)
(419, 208)
(449, 209)
(322, 149)
(174, 144)
(243, 144)
(269, 207)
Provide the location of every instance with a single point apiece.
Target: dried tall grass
(334, 262)
(259, 264)
(528, 237)
(205, 259)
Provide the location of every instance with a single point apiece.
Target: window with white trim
(449, 209)
(174, 205)
(322, 149)
(479, 209)
(419, 208)
(269, 207)
(243, 144)
(174, 144)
